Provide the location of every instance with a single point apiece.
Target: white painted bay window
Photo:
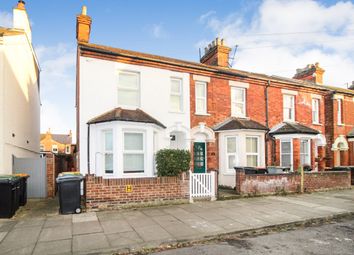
(129, 89)
(252, 151)
(238, 102)
(134, 153)
(176, 98)
(289, 107)
(200, 97)
(339, 111)
(231, 148)
(108, 151)
(316, 111)
(286, 152)
(305, 148)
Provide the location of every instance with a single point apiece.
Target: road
(335, 238)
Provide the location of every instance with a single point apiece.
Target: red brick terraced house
(234, 118)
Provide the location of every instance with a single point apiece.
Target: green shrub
(172, 162)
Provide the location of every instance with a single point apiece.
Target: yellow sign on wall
(128, 188)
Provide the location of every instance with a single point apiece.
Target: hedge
(172, 162)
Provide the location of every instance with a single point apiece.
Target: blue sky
(274, 37)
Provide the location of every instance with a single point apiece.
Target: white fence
(202, 185)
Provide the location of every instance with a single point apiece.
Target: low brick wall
(263, 184)
(117, 193)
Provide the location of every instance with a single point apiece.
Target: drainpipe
(267, 120)
(88, 149)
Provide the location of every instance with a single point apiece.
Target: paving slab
(90, 227)
(116, 226)
(84, 217)
(153, 233)
(36, 222)
(55, 222)
(53, 248)
(20, 238)
(26, 250)
(55, 233)
(180, 231)
(90, 242)
(124, 239)
(2, 235)
(109, 215)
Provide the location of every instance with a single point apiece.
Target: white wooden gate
(202, 185)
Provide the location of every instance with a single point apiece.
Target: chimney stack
(312, 73)
(21, 20)
(83, 26)
(216, 54)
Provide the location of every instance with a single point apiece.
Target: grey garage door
(36, 168)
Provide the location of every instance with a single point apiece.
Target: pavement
(330, 239)
(131, 230)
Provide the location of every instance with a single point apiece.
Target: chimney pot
(21, 5)
(216, 54)
(84, 10)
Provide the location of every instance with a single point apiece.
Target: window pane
(133, 163)
(231, 161)
(200, 90)
(238, 109)
(128, 80)
(304, 146)
(251, 144)
(128, 97)
(133, 141)
(200, 105)
(286, 160)
(175, 103)
(176, 86)
(286, 147)
(252, 160)
(108, 140)
(237, 94)
(108, 163)
(231, 145)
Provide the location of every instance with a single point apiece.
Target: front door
(199, 157)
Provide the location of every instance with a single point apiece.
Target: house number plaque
(128, 188)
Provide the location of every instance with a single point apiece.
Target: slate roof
(120, 114)
(233, 123)
(292, 128)
(351, 134)
(117, 52)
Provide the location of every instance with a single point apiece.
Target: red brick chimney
(216, 54)
(312, 73)
(83, 26)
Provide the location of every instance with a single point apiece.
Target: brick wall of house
(254, 184)
(114, 193)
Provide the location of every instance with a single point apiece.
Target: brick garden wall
(50, 164)
(114, 193)
(262, 184)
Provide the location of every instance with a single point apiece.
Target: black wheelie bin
(69, 186)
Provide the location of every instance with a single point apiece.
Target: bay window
(231, 144)
(129, 89)
(238, 102)
(289, 107)
(176, 98)
(201, 97)
(252, 151)
(133, 154)
(286, 153)
(108, 151)
(305, 148)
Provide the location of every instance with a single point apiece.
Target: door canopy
(202, 133)
(340, 144)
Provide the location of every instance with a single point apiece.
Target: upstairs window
(55, 148)
(133, 154)
(238, 102)
(252, 153)
(316, 111)
(200, 97)
(108, 151)
(176, 98)
(289, 107)
(339, 111)
(129, 89)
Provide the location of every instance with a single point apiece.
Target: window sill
(202, 114)
(241, 117)
(317, 124)
(340, 124)
(175, 112)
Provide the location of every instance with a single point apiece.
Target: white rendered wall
(227, 177)
(19, 102)
(98, 94)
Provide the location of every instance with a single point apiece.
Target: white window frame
(104, 151)
(203, 97)
(243, 102)
(316, 110)
(292, 107)
(180, 94)
(253, 153)
(129, 89)
(55, 148)
(231, 153)
(309, 152)
(143, 151)
(291, 152)
(339, 111)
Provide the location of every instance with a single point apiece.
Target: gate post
(190, 186)
(213, 184)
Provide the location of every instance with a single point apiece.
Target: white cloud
(158, 31)
(5, 19)
(285, 35)
(206, 15)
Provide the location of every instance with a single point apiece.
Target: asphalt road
(335, 238)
